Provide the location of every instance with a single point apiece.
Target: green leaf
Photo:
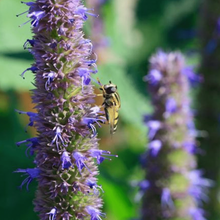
(13, 60)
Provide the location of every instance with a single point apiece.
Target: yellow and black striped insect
(111, 104)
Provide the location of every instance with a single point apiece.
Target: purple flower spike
(98, 154)
(66, 160)
(153, 127)
(52, 214)
(66, 119)
(32, 174)
(94, 213)
(171, 135)
(154, 77)
(79, 160)
(154, 147)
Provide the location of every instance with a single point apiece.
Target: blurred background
(125, 34)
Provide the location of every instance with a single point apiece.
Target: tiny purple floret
(166, 199)
(98, 154)
(31, 172)
(79, 160)
(154, 147)
(153, 127)
(52, 214)
(65, 160)
(94, 213)
(154, 77)
(32, 145)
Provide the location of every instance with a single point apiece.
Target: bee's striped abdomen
(115, 121)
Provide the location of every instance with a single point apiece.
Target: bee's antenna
(110, 82)
(99, 81)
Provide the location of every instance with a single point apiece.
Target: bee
(111, 104)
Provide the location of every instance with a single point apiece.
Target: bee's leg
(106, 115)
(99, 94)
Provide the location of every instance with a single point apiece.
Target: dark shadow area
(146, 9)
(23, 55)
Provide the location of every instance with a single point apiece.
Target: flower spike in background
(175, 188)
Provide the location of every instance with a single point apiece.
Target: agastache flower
(93, 185)
(52, 214)
(34, 12)
(58, 138)
(32, 117)
(153, 127)
(66, 160)
(93, 117)
(155, 147)
(66, 143)
(170, 158)
(193, 78)
(94, 213)
(154, 77)
(33, 69)
(30, 146)
(31, 173)
(100, 155)
(80, 161)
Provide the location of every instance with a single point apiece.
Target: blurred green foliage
(135, 29)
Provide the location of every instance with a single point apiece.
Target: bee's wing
(113, 118)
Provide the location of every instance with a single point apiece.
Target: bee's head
(110, 88)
